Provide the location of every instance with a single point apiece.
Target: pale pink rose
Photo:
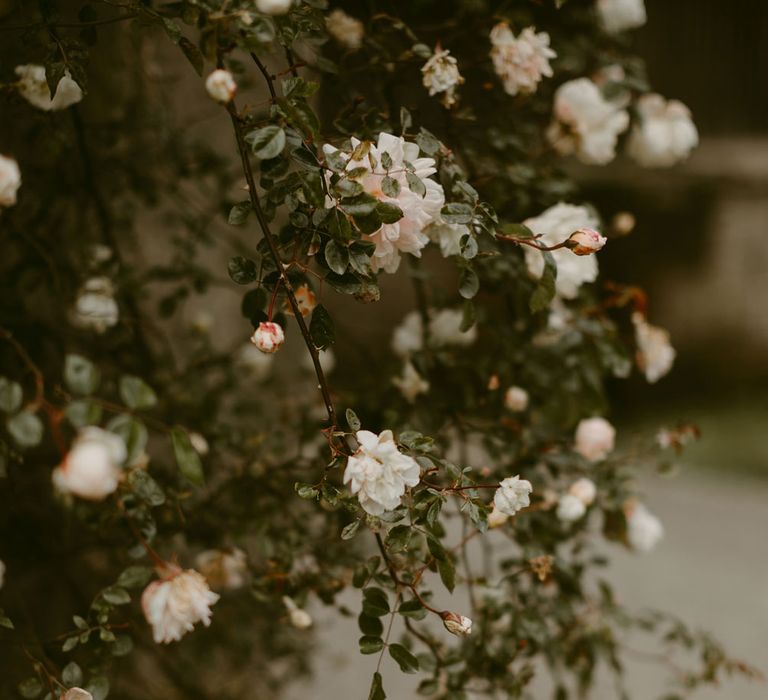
(586, 241)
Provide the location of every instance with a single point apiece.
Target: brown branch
(69, 25)
(531, 242)
(267, 76)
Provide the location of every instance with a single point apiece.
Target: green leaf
(389, 213)
(134, 434)
(25, 428)
(81, 375)
(193, 54)
(408, 662)
(238, 214)
(457, 213)
(377, 689)
(116, 595)
(427, 142)
(5, 621)
(70, 644)
(375, 602)
(370, 645)
(350, 530)
(447, 572)
(146, 488)
(267, 142)
(187, 457)
(390, 186)
(370, 626)
(172, 29)
(71, 675)
(242, 270)
(416, 184)
(412, 608)
(308, 492)
(436, 548)
(545, 290)
(30, 688)
(321, 328)
(517, 230)
(10, 395)
(469, 283)
(337, 257)
(134, 577)
(352, 420)
(136, 393)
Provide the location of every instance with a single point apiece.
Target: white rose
(460, 625)
(570, 508)
(586, 241)
(644, 529)
(665, 133)
(173, 605)
(512, 495)
(379, 473)
(91, 468)
(34, 89)
(620, 15)
(77, 694)
(655, 354)
(252, 361)
(521, 62)
(554, 226)
(223, 569)
(586, 124)
(299, 618)
(440, 74)
(585, 490)
(274, 7)
(445, 329)
(10, 181)
(221, 86)
(347, 30)
(268, 337)
(594, 438)
(95, 307)
(411, 383)
(516, 399)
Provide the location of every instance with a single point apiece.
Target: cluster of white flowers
(665, 133)
(573, 504)
(594, 438)
(554, 226)
(33, 87)
(274, 7)
(521, 62)
(644, 529)
(174, 604)
(221, 86)
(10, 181)
(655, 354)
(95, 307)
(268, 337)
(620, 15)
(406, 235)
(411, 383)
(586, 123)
(378, 473)
(512, 495)
(223, 569)
(91, 468)
(299, 618)
(347, 30)
(440, 75)
(444, 330)
(516, 399)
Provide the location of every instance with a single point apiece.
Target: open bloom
(595, 438)
(33, 87)
(665, 133)
(299, 618)
(621, 15)
(221, 86)
(554, 226)
(516, 399)
(95, 307)
(77, 694)
(644, 529)
(460, 625)
(268, 337)
(347, 30)
(174, 604)
(274, 7)
(586, 241)
(512, 495)
(655, 354)
(379, 473)
(570, 508)
(586, 124)
(10, 181)
(223, 568)
(521, 62)
(91, 468)
(444, 330)
(440, 75)
(419, 211)
(411, 383)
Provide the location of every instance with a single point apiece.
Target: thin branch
(69, 25)
(267, 76)
(531, 242)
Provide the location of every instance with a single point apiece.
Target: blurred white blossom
(655, 354)
(274, 7)
(347, 30)
(594, 439)
(644, 529)
(10, 181)
(95, 307)
(621, 15)
(299, 618)
(664, 134)
(516, 399)
(411, 383)
(570, 508)
(521, 62)
(221, 86)
(33, 87)
(223, 569)
(91, 468)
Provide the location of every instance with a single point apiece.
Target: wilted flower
(586, 241)
(655, 354)
(411, 383)
(306, 300)
(221, 86)
(512, 495)
(586, 124)
(459, 625)
(174, 604)
(521, 62)
(405, 235)
(77, 694)
(91, 468)
(542, 566)
(34, 89)
(347, 30)
(620, 15)
(665, 133)
(10, 181)
(594, 438)
(300, 619)
(585, 490)
(554, 226)
(644, 529)
(440, 74)
(570, 508)
(516, 399)
(223, 569)
(268, 337)
(379, 473)
(274, 7)
(95, 307)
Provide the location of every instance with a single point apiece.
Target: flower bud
(516, 399)
(586, 241)
(221, 86)
(456, 624)
(77, 694)
(268, 337)
(274, 7)
(299, 618)
(91, 468)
